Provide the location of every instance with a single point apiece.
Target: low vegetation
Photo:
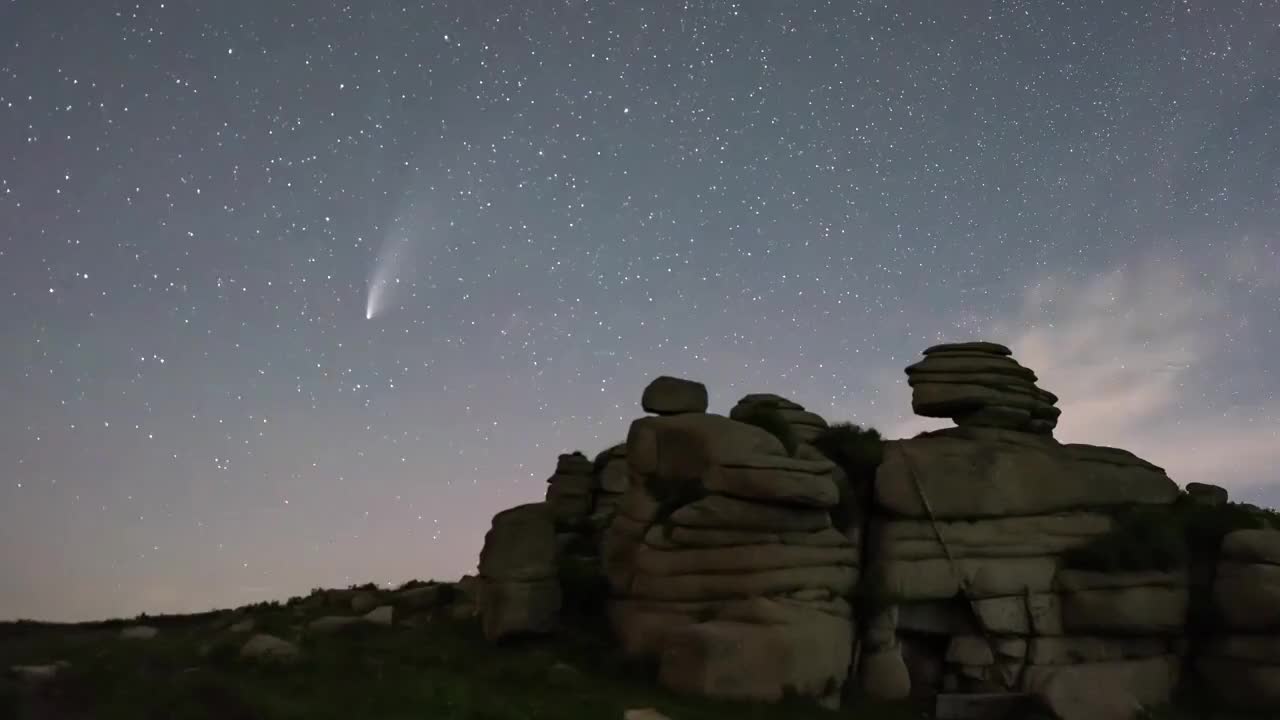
(441, 670)
(1167, 538)
(858, 452)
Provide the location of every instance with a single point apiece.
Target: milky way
(197, 201)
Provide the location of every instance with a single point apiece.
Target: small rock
(332, 623)
(363, 602)
(643, 714)
(38, 673)
(262, 646)
(243, 626)
(138, 632)
(1206, 494)
(381, 615)
(562, 673)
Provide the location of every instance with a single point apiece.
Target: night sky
(545, 204)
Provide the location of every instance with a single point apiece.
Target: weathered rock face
(805, 425)
(724, 564)
(980, 384)
(519, 584)
(970, 473)
(968, 529)
(569, 491)
(1241, 661)
(612, 478)
(667, 395)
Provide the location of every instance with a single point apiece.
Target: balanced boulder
(980, 384)
(520, 589)
(667, 395)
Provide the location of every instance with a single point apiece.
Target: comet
(385, 277)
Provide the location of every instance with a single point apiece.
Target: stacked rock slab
(724, 565)
(668, 395)
(519, 585)
(980, 384)
(968, 532)
(1241, 661)
(569, 492)
(611, 482)
(805, 425)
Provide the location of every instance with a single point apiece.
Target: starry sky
(301, 293)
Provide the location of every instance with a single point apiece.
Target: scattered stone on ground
(138, 632)
(35, 674)
(333, 623)
(381, 615)
(242, 626)
(269, 647)
(643, 714)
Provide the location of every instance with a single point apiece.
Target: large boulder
(1116, 690)
(805, 425)
(764, 651)
(969, 476)
(569, 490)
(667, 395)
(519, 584)
(1240, 662)
(981, 385)
(724, 566)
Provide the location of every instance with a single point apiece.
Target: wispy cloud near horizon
(1149, 356)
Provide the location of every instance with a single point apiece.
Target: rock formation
(611, 481)
(979, 384)
(804, 425)
(969, 529)
(519, 583)
(673, 396)
(724, 565)
(1241, 661)
(569, 492)
(753, 562)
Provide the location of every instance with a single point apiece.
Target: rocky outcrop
(805, 425)
(979, 384)
(971, 560)
(968, 532)
(519, 585)
(612, 478)
(1240, 663)
(667, 395)
(269, 647)
(569, 492)
(724, 564)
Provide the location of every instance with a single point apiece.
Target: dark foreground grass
(441, 671)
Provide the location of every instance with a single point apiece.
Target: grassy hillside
(441, 670)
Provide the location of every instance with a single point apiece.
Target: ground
(441, 670)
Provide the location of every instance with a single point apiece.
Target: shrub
(1141, 539)
(858, 451)
(1167, 537)
(768, 418)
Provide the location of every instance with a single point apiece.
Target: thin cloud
(1139, 356)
